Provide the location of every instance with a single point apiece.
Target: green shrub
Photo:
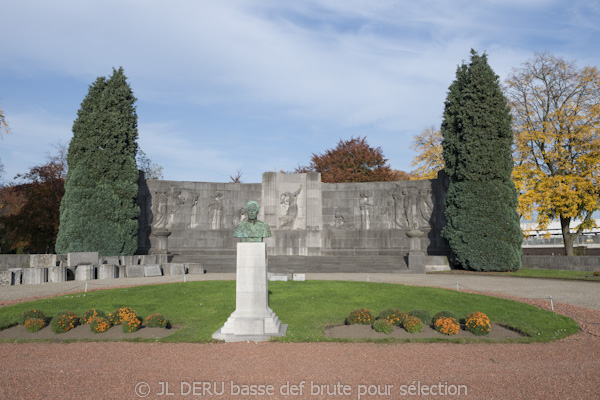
(383, 326)
(64, 321)
(423, 315)
(34, 324)
(31, 314)
(393, 315)
(478, 323)
(99, 324)
(444, 314)
(361, 316)
(412, 324)
(131, 324)
(156, 321)
(121, 314)
(89, 315)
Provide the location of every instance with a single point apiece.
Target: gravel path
(567, 369)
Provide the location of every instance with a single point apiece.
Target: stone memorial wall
(307, 217)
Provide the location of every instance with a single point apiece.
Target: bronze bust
(252, 230)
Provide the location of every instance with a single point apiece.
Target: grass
(202, 307)
(536, 273)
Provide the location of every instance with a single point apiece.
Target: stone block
(6, 278)
(299, 277)
(195, 269)
(152, 270)
(82, 258)
(135, 271)
(85, 272)
(129, 260)
(114, 260)
(148, 259)
(35, 276)
(17, 275)
(57, 274)
(121, 271)
(274, 277)
(108, 271)
(174, 269)
(42, 260)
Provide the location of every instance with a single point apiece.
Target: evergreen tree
(483, 228)
(98, 211)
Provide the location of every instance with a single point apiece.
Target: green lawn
(535, 273)
(202, 307)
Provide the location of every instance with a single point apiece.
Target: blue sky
(261, 85)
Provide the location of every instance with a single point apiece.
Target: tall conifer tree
(98, 211)
(483, 228)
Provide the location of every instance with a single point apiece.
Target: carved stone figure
(399, 212)
(389, 213)
(194, 220)
(215, 211)
(410, 207)
(425, 201)
(366, 211)
(159, 209)
(239, 216)
(252, 230)
(289, 202)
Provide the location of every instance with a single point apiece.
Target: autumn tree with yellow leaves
(429, 160)
(556, 122)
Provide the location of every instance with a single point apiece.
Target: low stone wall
(567, 263)
(13, 261)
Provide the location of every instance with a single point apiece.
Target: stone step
(302, 264)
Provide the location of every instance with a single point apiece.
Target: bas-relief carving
(159, 208)
(239, 215)
(215, 211)
(413, 207)
(289, 202)
(366, 211)
(388, 214)
(340, 223)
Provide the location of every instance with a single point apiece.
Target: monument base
(252, 319)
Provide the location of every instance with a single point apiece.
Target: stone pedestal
(85, 272)
(162, 237)
(108, 271)
(417, 259)
(57, 274)
(252, 319)
(34, 276)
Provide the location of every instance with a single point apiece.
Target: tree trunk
(568, 237)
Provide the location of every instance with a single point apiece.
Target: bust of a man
(252, 230)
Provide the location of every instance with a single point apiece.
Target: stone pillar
(252, 319)
(85, 273)
(35, 276)
(416, 257)
(108, 271)
(57, 274)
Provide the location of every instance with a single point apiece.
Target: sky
(261, 85)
